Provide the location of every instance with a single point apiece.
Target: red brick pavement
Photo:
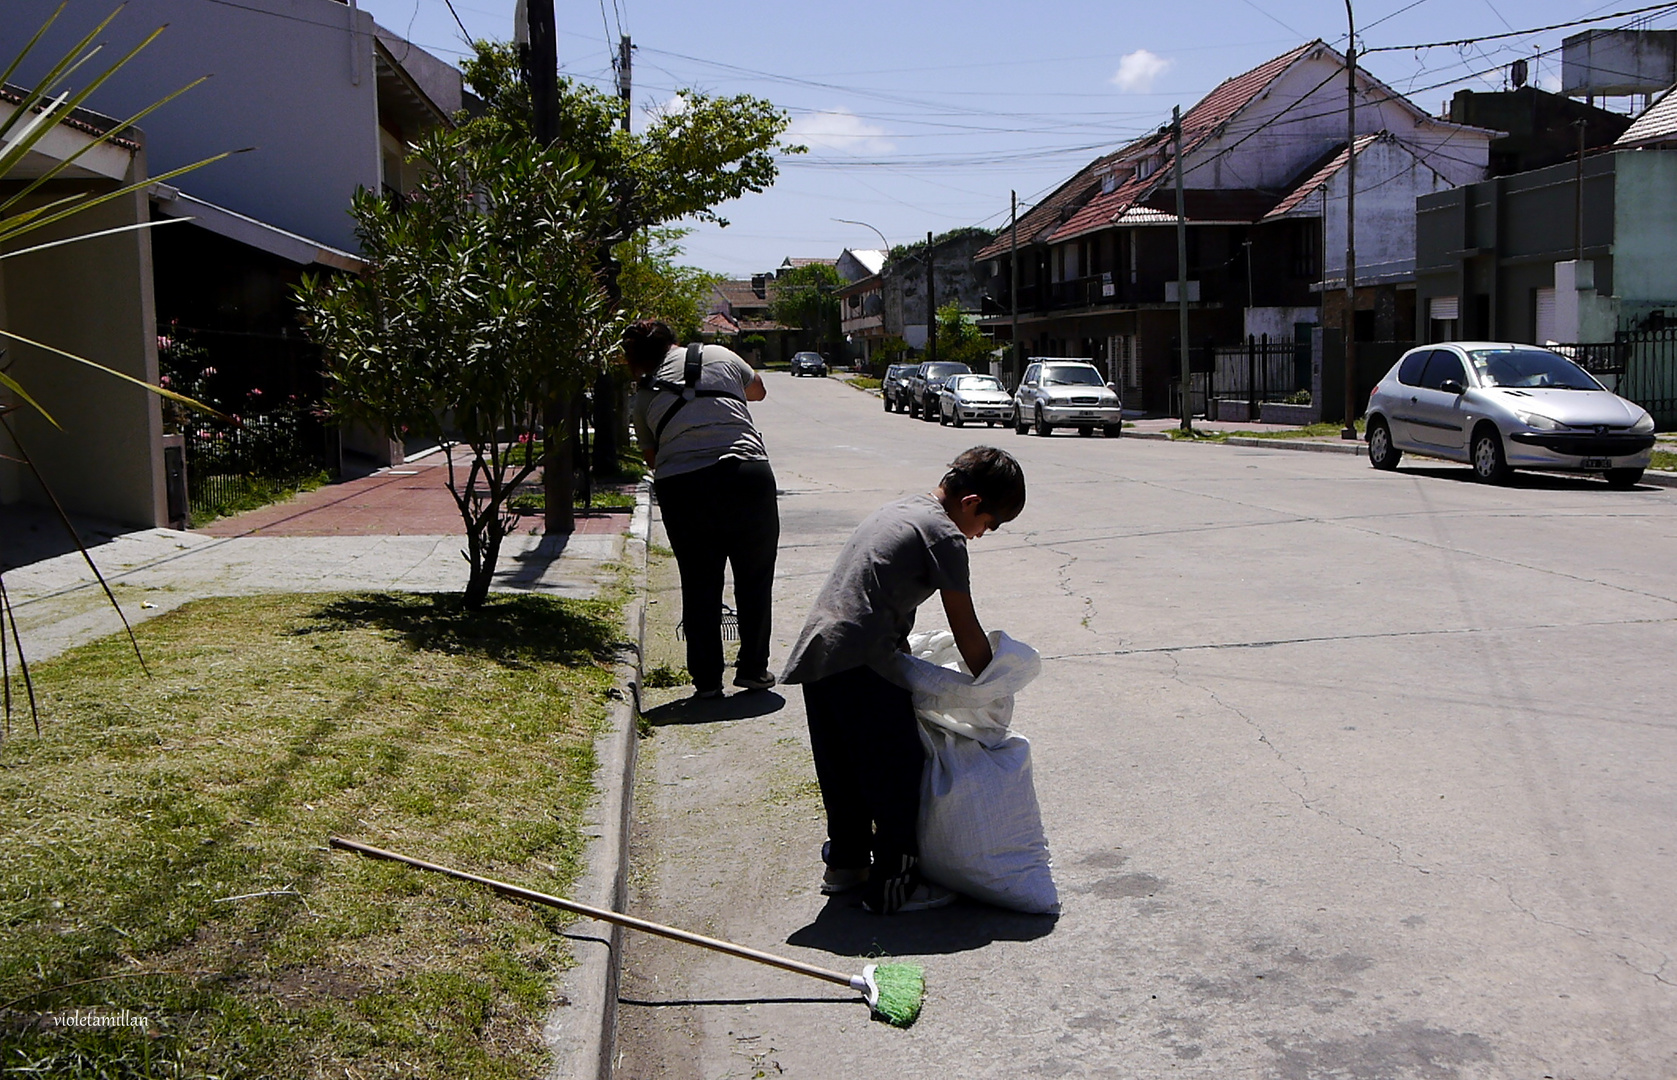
(407, 500)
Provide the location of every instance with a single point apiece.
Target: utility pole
(1578, 201)
(539, 54)
(1350, 321)
(931, 305)
(609, 402)
(1182, 270)
(1013, 287)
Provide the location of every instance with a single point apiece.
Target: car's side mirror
(1453, 386)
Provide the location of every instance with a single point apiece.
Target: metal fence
(1261, 370)
(227, 464)
(1638, 364)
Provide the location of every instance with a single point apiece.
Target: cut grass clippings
(165, 856)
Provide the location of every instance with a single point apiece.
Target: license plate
(1089, 415)
(1598, 463)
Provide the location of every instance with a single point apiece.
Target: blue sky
(921, 116)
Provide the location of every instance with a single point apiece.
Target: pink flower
(163, 380)
(209, 371)
(255, 391)
(164, 343)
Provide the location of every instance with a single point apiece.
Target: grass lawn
(864, 382)
(1209, 433)
(164, 838)
(1664, 459)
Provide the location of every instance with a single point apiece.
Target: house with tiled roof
(1265, 173)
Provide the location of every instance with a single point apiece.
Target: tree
(804, 297)
(480, 302)
(656, 286)
(959, 339)
(697, 153)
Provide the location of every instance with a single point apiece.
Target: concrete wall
(93, 299)
(292, 78)
(1389, 180)
(1645, 233)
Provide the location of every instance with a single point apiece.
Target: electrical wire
(1523, 33)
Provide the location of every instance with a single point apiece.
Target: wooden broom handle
(601, 914)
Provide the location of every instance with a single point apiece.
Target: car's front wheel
(1623, 478)
(1020, 425)
(957, 420)
(1489, 464)
(926, 412)
(1381, 453)
(1113, 431)
(913, 409)
(1043, 427)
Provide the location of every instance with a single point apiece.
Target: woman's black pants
(723, 514)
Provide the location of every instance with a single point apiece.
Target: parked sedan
(1498, 407)
(895, 386)
(808, 363)
(976, 398)
(927, 380)
(1066, 393)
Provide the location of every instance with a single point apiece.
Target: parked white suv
(1065, 393)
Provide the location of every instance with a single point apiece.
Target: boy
(862, 729)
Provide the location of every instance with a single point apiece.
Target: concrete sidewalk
(395, 529)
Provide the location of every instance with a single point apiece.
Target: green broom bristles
(901, 989)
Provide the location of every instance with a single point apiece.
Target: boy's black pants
(723, 514)
(868, 759)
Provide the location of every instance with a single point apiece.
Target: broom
(892, 991)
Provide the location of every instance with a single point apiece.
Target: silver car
(1499, 407)
(1065, 393)
(976, 398)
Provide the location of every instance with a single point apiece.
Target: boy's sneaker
(760, 681)
(843, 879)
(708, 695)
(905, 891)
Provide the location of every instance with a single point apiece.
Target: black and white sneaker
(904, 891)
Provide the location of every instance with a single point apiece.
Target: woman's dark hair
(991, 474)
(645, 344)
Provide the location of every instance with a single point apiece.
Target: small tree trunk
(607, 393)
(558, 467)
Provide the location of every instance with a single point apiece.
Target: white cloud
(839, 129)
(1137, 70)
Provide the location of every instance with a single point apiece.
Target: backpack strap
(686, 390)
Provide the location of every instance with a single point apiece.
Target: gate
(1261, 370)
(1637, 364)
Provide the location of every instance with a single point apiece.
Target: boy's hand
(970, 637)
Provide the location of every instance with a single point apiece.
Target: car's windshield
(1530, 369)
(975, 382)
(943, 371)
(1070, 375)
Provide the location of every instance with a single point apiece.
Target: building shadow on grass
(691, 710)
(845, 928)
(510, 629)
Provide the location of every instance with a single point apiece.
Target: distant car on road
(808, 363)
(978, 398)
(894, 386)
(927, 380)
(1499, 406)
(1066, 393)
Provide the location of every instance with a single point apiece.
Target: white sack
(980, 827)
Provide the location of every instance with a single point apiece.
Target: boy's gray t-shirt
(707, 429)
(895, 560)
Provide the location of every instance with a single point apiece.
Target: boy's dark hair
(645, 344)
(991, 474)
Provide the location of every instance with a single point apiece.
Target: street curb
(1344, 446)
(1652, 477)
(581, 1030)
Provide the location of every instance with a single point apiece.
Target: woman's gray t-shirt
(707, 429)
(895, 560)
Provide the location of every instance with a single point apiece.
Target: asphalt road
(1346, 774)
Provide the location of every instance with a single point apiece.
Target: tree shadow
(701, 711)
(515, 630)
(845, 928)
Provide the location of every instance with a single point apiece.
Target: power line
(1521, 33)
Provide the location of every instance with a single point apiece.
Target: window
(1443, 366)
(1409, 372)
